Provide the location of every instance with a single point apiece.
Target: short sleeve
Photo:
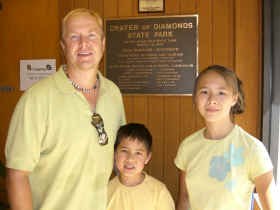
(22, 148)
(180, 161)
(260, 161)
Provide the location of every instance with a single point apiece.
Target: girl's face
(214, 98)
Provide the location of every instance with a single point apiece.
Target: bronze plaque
(155, 55)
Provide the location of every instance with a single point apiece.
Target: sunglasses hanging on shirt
(98, 123)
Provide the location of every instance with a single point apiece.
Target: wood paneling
(65, 7)
(140, 108)
(205, 34)
(188, 117)
(126, 8)
(229, 34)
(81, 3)
(189, 6)
(248, 61)
(222, 27)
(156, 126)
(172, 113)
(172, 7)
(111, 8)
(97, 6)
(128, 105)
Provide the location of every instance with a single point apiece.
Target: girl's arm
(266, 189)
(183, 198)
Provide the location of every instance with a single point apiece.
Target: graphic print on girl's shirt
(220, 166)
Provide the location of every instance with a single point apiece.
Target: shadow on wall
(3, 205)
(2, 170)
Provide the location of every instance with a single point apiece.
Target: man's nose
(83, 41)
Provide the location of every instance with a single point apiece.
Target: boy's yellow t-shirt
(151, 194)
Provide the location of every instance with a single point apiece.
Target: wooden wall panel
(126, 8)
(97, 6)
(110, 8)
(65, 7)
(205, 34)
(222, 32)
(128, 105)
(187, 7)
(140, 113)
(156, 126)
(188, 117)
(81, 3)
(171, 132)
(172, 7)
(134, 7)
(248, 61)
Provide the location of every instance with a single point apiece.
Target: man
(59, 149)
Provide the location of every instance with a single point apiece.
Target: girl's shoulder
(249, 142)
(198, 135)
(246, 137)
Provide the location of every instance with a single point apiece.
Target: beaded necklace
(85, 90)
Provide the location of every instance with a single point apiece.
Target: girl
(221, 164)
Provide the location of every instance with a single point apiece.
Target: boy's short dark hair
(134, 131)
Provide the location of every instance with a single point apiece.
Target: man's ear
(103, 43)
(148, 158)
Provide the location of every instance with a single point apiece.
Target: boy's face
(131, 157)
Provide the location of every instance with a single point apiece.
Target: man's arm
(182, 202)
(18, 187)
(266, 189)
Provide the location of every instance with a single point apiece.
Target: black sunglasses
(97, 122)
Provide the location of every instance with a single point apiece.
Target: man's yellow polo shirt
(51, 136)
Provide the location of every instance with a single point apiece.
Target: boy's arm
(266, 189)
(19, 192)
(183, 197)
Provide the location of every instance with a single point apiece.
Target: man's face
(83, 43)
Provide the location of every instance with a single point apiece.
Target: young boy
(133, 189)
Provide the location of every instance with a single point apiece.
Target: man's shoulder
(39, 92)
(107, 82)
(109, 86)
(44, 84)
